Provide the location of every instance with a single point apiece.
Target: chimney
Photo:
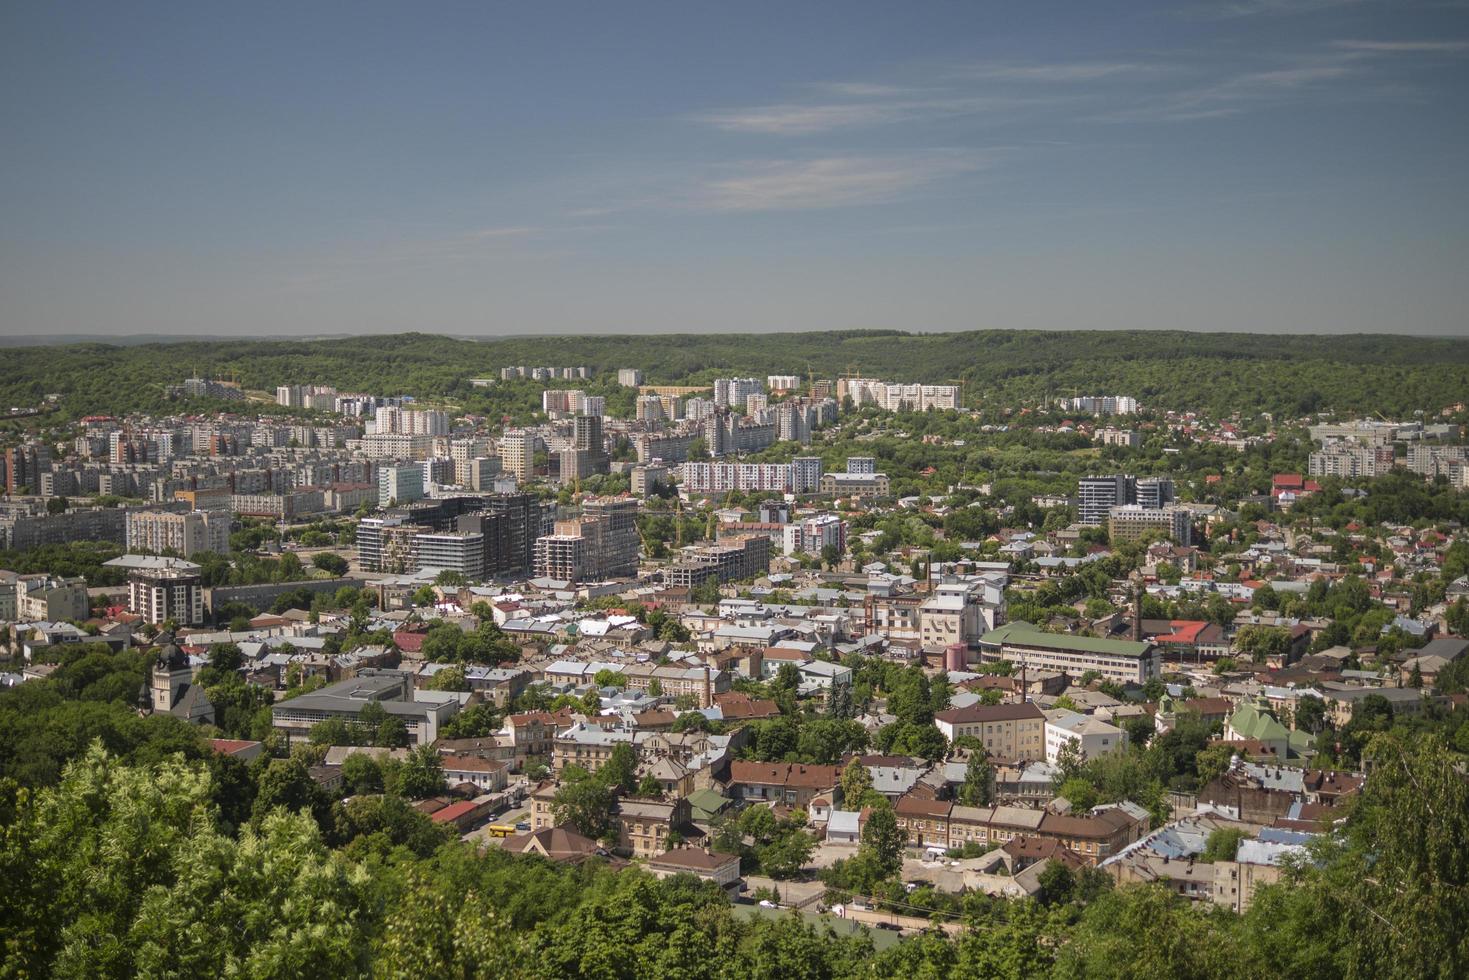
(1137, 615)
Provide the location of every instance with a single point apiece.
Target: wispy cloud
(963, 91)
(795, 119)
(1404, 47)
(1080, 71)
(1271, 8)
(831, 182)
(1241, 92)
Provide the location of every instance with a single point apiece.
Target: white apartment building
(812, 534)
(1091, 736)
(183, 534)
(724, 477)
(160, 589)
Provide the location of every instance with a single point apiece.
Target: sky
(286, 168)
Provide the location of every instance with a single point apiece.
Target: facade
(954, 614)
(49, 598)
(644, 826)
(600, 544)
(723, 477)
(1097, 495)
(517, 453)
(1123, 661)
(162, 589)
(1093, 836)
(805, 473)
(722, 869)
(1012, 732)
(422, 712)
(1132, 522)
(1091, 736)
(183, 534)
(790, 783)
(1352, 459)
(399, 484)
(647, 478)
(454, 551)
(855, 484)
(813, 534)
(731, 560)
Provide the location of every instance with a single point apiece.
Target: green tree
(331, 562)
(422, 774)
(884, 840)
(361, 774)
(979, 780)
(856, 783)
(586, 804)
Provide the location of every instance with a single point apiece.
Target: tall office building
(1099, 494)
(511, 523)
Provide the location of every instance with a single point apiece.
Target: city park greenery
(1219, 373)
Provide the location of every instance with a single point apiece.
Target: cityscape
(766, 491)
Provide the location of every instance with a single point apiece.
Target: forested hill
(1216, 372)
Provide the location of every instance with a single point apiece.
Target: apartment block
(731, 560)
(1012, 732)
(183, 534)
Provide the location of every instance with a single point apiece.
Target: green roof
(708, 802)
(1251, 722)
(1021, 633)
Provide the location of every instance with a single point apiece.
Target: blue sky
(493, 168)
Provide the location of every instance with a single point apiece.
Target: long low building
(1093, 836)
(422, 712)
(1124, 661)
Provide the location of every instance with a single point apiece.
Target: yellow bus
(500, 830)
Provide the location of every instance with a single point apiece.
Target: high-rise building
(518, 453)
(479, 473)
(511, 523)
(162, 589)
(24, 466)
(399, 484)
(629, 377)
(600, 544)
(861, 464)
(183, 534)
(453, 551)
(437, 471)
(732, 392)
(730, 560)
(806, 474)
(1099, 494)
(649, 408)
(812, 534)
(1154, 491)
